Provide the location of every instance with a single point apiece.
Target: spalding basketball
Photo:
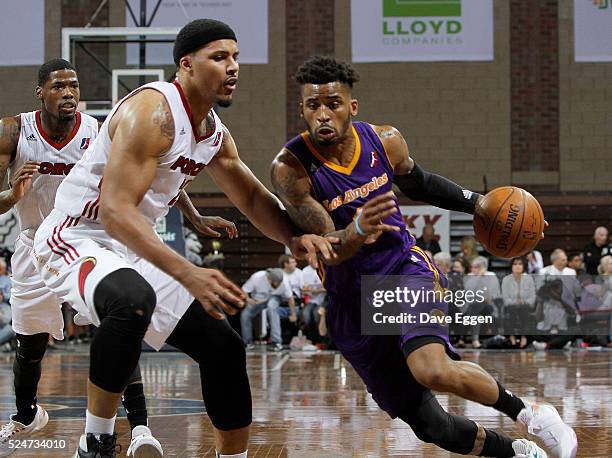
(508, 222)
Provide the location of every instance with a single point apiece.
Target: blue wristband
(357, 228)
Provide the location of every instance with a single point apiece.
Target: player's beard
(225, 103)
(341, 135)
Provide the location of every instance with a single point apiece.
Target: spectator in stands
(553, 308)
(5, 281)
(314, 296)
(485, 285)
(575, 262)
(605, 293)
(558, 264)
(597, 248)
(469, 248)
(6, 330)
(535, 262)
(293, 276)
(460, 266)
(519, 296)
(266, 290)
(428, 240)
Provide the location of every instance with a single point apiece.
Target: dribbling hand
(215, 292)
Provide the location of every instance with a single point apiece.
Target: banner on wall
(170, 229)
(22, 23)
(421, 30)
(248, 18)
(593, 30)
(417, 216)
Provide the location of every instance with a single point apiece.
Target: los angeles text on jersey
(361, 191)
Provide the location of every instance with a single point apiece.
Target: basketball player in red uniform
(38, 149)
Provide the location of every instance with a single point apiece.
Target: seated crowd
(567, 302)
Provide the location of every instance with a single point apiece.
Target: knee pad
(126, 296)
(31, 349)
(431, 423)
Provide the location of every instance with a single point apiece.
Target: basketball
(508, 222)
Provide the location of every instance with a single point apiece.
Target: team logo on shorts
(86, 267)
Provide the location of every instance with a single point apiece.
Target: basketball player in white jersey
(98, 250)
(38, 149)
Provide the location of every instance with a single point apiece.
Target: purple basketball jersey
(342, 191)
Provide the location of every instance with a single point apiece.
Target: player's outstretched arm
(22, 181)
(293, 186)
(142, 130)
(204, 224)
(418, 184)
(259, 205)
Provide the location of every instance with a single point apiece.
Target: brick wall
(455, 116)
(585, 114)
(310, 31)
(256, 118)
(95, 82)
(534, 93)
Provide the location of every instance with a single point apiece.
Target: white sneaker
(527, 449)
(14, 430)
(143, 444)
(543, 422)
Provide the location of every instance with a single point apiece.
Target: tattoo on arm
(306, 213)
(163, 117)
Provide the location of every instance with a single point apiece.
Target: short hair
(556, 254)
(520, 259)
(45, 70)
(325, 69)
(480, 261)
(442, 257)
(284, 259)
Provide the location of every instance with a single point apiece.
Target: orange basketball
(508, 222)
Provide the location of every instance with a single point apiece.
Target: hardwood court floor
(314, 405)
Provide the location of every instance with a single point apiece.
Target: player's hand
(545, 226)
(310, 247)
(215, 292)
(293, 317)
(374, 211)
(207, 224)
(22, 181)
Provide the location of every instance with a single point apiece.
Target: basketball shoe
(92, 447)
(543, 422)
(14, 430)
(143, 444)
(527, 449)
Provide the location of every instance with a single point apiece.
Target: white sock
(98, 425)
(237, 455)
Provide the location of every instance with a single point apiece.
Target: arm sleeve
(436, 190)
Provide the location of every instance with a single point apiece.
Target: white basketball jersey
(56, 160)
(79, 194)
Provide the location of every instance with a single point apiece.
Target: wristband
(357, 228)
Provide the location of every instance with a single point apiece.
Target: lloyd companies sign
(593, 30)
(421, 30)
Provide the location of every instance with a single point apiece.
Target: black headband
(199, 33)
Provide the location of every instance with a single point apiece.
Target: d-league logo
(85, 143)
(373, 159)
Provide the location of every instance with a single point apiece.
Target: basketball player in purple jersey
(327, 178)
